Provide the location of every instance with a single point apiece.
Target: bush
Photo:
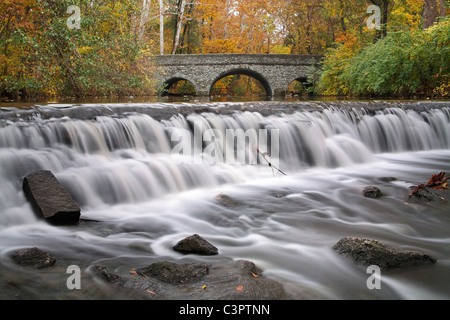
(403, 64)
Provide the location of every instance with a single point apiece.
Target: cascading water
(145, 183)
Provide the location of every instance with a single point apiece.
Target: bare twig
(268, 162)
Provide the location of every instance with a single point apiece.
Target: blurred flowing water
(138, 198)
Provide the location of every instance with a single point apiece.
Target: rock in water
(196, 245)
(176, 273)
(368, 252)
(372, 192)
(49, 198)
(33, 258)
(235, 280)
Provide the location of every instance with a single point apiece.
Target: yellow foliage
(406, 17)
(280, 49)
(84, 50)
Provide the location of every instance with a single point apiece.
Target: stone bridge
(274, 71)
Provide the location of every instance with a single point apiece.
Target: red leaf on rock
(416, 189)
(438, 181)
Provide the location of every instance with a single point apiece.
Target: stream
(147, 175)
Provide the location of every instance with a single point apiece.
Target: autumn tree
(246, 26)
(41, 55)
(16, 27)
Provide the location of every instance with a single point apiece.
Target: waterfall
(130, 157)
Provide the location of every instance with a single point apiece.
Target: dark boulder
(33, 258)
(195, 244)
(372, 192)
(368, 252)
(49, 198)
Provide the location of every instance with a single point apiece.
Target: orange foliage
(246, 26)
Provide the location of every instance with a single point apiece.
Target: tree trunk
(186, 30)
(144, 18)
(161, 26)
(432, 9)
(178, 31)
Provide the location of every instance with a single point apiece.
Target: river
(142, 188)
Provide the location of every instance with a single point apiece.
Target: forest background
(109, 52)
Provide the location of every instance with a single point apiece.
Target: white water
(143, 200)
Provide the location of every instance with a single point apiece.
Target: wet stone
(368, 252)
(387, 179)
(372, 192)
(227, 201)
(33, 258)
(50, 200)
(175, 273)
(232, 280)
(195, 244)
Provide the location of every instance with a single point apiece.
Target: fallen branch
(268, 162)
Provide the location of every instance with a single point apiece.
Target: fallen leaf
(133, 272)
(255, 275)
(239, 288)
(151, 292)
(204, 287)
(438, 181)
(415, 189)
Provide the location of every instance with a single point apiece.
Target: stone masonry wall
(275, 72)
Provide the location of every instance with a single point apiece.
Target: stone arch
(303, 80)
(167, 84)
(247, 72)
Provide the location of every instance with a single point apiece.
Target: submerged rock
(372, 192)
(368, 252)
(175, 273)
(195, 244)
(387, 179)
(235, 280)
(424, 194)
(49, 198)
(242, 280)
(227, 201)
(129, 287)
(33, 258)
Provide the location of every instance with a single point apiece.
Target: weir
(132, 157)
